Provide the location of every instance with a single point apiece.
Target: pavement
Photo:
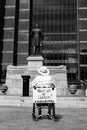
(19, 118)
(16, 111)
(62, 102)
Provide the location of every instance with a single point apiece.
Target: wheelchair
(44, 97)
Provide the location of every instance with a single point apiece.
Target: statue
(36, 40)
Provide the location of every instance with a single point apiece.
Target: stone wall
(15, 83)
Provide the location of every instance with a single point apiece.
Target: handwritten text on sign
(44, 95)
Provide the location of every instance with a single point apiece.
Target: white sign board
(44, 94)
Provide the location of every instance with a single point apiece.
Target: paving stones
(20, 118)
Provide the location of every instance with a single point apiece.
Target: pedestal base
(35, 62)
(14, 80)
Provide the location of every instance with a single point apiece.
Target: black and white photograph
(43, 64)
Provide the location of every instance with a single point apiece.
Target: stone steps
(62, 102)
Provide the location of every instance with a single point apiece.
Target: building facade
(64, 24)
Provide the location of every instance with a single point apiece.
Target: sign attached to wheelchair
(44, 94)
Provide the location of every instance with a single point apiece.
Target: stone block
(35, 62)
(14, 79)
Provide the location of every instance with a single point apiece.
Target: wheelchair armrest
(53, 86)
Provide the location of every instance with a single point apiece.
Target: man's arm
(33, 83)
(52, 81)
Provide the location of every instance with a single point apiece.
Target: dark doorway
(25, 85)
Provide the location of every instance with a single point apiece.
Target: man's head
(43, 70)
(36, 26)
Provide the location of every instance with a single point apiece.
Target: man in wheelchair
(44, 80)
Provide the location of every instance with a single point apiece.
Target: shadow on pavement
(57, 117)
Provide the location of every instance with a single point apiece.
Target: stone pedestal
(35, 62)
(59, 73)
(14, 80)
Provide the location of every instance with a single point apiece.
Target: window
(58, 21)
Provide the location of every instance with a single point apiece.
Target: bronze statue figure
(36, 40)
